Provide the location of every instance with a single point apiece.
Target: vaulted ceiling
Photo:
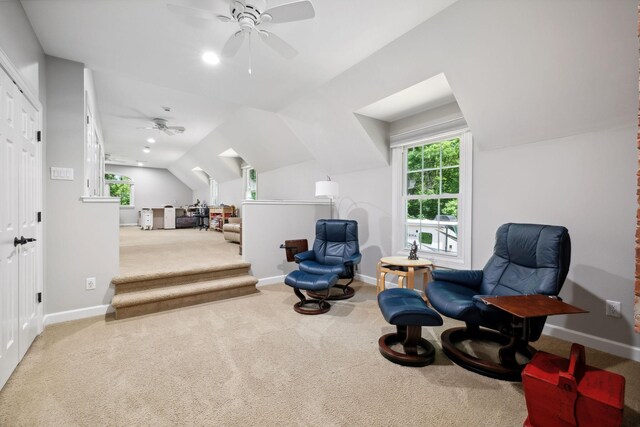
(521, 72)
(145, 57)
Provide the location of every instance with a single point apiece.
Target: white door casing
(20, 200)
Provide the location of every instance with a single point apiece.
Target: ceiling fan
(161, 125)
(111, 159)
(249, 15)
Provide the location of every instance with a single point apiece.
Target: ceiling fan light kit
(250, 14)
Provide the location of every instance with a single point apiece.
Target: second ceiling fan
(249, 15)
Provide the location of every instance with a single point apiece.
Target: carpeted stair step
(145, 301)
(135, 283)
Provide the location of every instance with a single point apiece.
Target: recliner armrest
(304, 256)
(353, 259)
(469, 278)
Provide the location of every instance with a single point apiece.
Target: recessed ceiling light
(151, 140)
(146, 149)
(140, 164)
(210, 58)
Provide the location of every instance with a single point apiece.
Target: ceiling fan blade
(277, 44)
(148, 127)
(178, 129)
(192, 12)
(296, 11)
(232, 46)
(167, 131)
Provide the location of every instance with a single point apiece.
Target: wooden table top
(525, 306)
(403, 261)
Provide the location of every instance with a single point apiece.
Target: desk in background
(158, 218)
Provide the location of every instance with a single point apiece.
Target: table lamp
(328, 189)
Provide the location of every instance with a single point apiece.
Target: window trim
(245, 182)
(130, 182)
(398, 164)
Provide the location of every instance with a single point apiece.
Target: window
(433, 196)
(250, 183)
(120, 186)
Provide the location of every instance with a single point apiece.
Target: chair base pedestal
(322, 307)
(411, 342)
(345, 292)
(508, 369)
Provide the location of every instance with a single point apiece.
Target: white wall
(81, 239)
(20, 43)
(295, 182)
(230, 193)
(152, 188)
(587, 184)
(365, 196)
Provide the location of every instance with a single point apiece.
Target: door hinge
(39, 136)
(39, 297)
(39, 216)
(87, 119)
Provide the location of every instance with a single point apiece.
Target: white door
(19, 201)
(28, 179)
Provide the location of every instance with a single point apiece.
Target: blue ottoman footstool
(406, 309)
(311, 282)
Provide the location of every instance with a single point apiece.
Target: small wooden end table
(402, 267)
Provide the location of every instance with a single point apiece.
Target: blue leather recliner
(335, 251)
(528, 259)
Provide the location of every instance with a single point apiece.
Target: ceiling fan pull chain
(250, 54)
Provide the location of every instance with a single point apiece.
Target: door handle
(22, 241)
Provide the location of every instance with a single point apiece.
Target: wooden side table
(523, 308)
(403, 268)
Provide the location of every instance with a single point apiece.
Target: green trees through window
(120, 186)
(432, 192)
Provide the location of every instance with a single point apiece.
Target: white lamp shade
(327, 189)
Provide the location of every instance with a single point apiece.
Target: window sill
(453, 263)
(127, 207)
(99, 199)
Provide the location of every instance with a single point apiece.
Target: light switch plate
(65, 174)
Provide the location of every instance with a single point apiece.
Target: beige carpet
(158, 251)
(254, 361)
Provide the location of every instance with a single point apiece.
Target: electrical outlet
(91, 283)
(612, 308)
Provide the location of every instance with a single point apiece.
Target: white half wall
(152, 188)
(267, 224)
(81, 239)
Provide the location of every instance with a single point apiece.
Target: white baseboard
(80, 313)
(266, 281)
(602, 344)
(372, 281)
(129, 225)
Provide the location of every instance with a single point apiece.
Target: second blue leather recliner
(335, 251)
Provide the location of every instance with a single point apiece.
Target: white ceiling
(145, 56)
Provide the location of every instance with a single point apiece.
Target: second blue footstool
(406, 309)
(316, 283)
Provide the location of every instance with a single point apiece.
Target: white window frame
(400, 146)
(130, 182)
(245, 183)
